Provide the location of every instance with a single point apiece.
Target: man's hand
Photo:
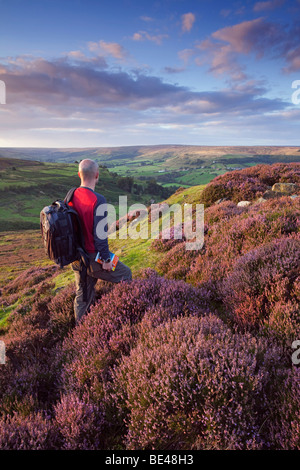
(107, 266)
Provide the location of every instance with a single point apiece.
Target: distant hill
(154, 152)
(169, 165)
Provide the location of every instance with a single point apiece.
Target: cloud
(71, 100)
(221, 58)
(144, 35)
(172, 70)
(268, 5)
(293, 60)
(185, 55)
(188, 20)
(148, 19)
(61, 85)
(108, 48)
(223, 49)
(250, 36)
(80, 57)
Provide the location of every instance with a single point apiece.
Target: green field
(26, 187)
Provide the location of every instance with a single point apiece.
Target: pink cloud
(222, 50)
(144, 35)
(268, 5)
(255, 35)
(188, 20)
(221, 58)
(185, 55)
(108, 48)
(293, 60)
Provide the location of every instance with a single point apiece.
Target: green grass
(27, 187)
(137, 253)
(5, 313)
(197, 177)
(64, 278)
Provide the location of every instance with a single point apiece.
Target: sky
(96, 73)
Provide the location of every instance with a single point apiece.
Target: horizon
(148, 145)
(128, 72)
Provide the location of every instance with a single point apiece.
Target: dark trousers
(85, 285)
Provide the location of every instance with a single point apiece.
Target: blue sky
(110, 73)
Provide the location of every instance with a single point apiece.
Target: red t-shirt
(92, 209)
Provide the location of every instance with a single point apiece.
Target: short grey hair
(88, 168)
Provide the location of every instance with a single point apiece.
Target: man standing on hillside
(86, 202)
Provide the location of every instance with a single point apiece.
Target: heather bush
(262, 282)
(61, 313)
(61, 309)
(109, 332)
(193, 383)
(32, 370)
(221, 211)
(249, 183)
(111, 327)
(235, 186)
(169, 238)
(275, 173)
(32, 432)
(230, 232)
(30, 277)
(30, 387)
(234, 236)
(79, 423)
(285, 426)
(176, 263)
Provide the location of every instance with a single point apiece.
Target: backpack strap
(69, 195)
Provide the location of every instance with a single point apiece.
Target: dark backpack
(61, 232)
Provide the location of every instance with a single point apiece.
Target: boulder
(284, 188)
(243, 203)
(260, 200)
(219, 201)
(269, 194)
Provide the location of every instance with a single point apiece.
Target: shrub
(249, 183)
(192, 383)
(111, 328)
(263, 279)
(28, 278)
(176, 263)
(235, 235)
(32, 432)
(284, 427)
(79, 422)
(221, 211)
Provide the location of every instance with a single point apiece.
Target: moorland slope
(194, 353)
